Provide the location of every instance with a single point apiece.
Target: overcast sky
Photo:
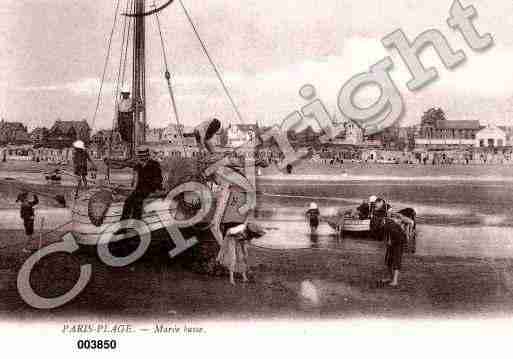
(52, 54)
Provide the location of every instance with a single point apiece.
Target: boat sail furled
(96, 212)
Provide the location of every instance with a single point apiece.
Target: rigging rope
(120, 75)
(122, 58)
(106, 63)
(218, 74)
(170, 89)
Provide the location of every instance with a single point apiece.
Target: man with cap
(80, 158)
(149, 180)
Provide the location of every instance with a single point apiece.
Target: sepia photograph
(191, 170)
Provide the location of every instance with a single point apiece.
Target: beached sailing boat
(97, 211)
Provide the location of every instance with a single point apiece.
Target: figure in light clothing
(233, 254)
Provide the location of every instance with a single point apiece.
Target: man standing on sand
(27, 215)
(393, 235)
(395, 239)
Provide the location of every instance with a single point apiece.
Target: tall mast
(139, 77)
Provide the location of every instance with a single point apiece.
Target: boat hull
(350, 225)
(356, 225)
(158, 215)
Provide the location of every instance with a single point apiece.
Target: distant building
(353, 133)
(172, 135)
(64, 133)
(39, 135)
(239, 134)
(306, 137)
(155, 135)
(105, 140)
(491, 136)
(13, 133)
(447, 133)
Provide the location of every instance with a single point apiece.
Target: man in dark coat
(395, 239)
(389, 229)
(149, 180)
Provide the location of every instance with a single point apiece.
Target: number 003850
(96, 344)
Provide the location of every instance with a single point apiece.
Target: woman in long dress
(234, 251)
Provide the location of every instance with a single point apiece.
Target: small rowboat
(346, 221)
(356, 225)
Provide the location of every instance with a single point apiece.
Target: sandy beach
(459, 271)
(308, 284)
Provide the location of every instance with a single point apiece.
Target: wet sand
(343, 282)
(454, 274)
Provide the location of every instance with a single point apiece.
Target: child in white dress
(234, 251)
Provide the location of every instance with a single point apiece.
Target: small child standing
(312, 215)
(234, 251)
(27, 214)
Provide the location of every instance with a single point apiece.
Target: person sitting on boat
(80, 159)
(149, 180)
(313, 216)
(364, 210)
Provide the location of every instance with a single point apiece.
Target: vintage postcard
(186, 171)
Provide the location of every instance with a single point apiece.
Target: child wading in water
(234, 250)
(27, 214)
(312, 216)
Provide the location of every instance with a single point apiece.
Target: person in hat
(149, 180)
(27, 215)
(312, 216)
(80, 159)
(233, 254)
